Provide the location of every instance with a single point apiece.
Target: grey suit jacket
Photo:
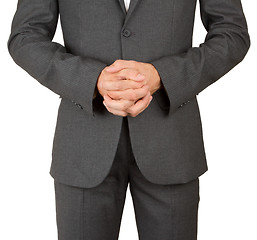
(166, 138)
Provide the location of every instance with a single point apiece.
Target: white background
(228, 205)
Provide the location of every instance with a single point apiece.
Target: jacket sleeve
(186, 74)
(31, 47)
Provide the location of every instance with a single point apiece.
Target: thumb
(113, 68)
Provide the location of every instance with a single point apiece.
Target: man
(116, 60)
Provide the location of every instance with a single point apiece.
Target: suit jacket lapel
(132, 6)
(122, 6)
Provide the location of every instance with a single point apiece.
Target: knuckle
(105, 84)
(134, 74)
(132, 113)
(133, 63)
(147, 92)
(117, 85)
(140, 84)
(117, 62)
(147, 89)
(133, 96)
(123, 107)
(101, 84)
(137, 72)
(129, 111)
(113, 94)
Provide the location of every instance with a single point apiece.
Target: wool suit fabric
(162, 212)
(167, 136)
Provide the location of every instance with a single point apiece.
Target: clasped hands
(127, 86)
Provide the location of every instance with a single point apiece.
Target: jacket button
(126, 32)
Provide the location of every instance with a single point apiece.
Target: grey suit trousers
(163, 212)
